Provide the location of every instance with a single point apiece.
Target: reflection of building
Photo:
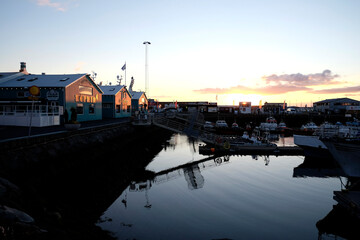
(337, 105)
(116, 101)
(193, 177)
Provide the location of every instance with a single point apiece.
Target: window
(85, 90)
(80, 108)
(91, 108)
(33, 79)
(117, 108)
(128, 108)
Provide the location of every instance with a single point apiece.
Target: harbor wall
(65, 182)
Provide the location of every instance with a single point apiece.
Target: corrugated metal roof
(136, 95)
(111, 90)
(6, 76)
(43, 80)
(340, 100)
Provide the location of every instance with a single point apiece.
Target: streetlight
(146, 70)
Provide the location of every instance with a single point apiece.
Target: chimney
(23, 68)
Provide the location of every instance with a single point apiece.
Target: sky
(225, 51)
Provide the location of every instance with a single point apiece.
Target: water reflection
(225, 197)
(342, 222)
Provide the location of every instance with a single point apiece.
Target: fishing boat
(269, 125)
(238, 144)
(309, 127)
(312, 145)
(346, 152)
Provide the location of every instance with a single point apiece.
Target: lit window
(85, 90)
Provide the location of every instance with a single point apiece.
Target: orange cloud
(282, 84)
(298, 79)
(337, 90)
(268, 90)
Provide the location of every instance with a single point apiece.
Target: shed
(116, 101)
(139, 101)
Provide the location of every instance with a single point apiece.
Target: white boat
(269, 125)
(313, 145)
(346, 153)
(310, 126)
(221, 124)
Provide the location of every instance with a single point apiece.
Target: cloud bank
(287, 83)
(298, 79)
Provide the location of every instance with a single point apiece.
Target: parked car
(221, 124)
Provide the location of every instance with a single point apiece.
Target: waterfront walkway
(14, 132)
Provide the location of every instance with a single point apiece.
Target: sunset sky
(201, 50)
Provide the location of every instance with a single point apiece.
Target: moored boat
(269, 125)
(346, 152)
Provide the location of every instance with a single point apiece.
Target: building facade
(336, 105)
(55, 95)
(116, 101)
(139, 101)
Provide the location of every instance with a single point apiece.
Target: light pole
(146, 69)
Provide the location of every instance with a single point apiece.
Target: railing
(26, 115)
(188, 124)
(24, 110)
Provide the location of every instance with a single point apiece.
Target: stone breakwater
(57, 186)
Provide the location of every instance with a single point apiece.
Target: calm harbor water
(231, 197)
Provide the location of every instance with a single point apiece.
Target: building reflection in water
(190, 171)
(344, 219)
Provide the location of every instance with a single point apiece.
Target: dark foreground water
(231, 197)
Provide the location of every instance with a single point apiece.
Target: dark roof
(340, 100)
(43, 80)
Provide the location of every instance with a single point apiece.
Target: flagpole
(125, 73)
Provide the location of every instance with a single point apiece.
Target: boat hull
(347, 155)
(312, 145)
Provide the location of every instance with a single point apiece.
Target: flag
(123, 67)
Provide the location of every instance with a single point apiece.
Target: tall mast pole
(146, 69)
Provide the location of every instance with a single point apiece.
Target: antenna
(93, 76)
(119, 78)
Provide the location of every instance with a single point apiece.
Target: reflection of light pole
(146, 70)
